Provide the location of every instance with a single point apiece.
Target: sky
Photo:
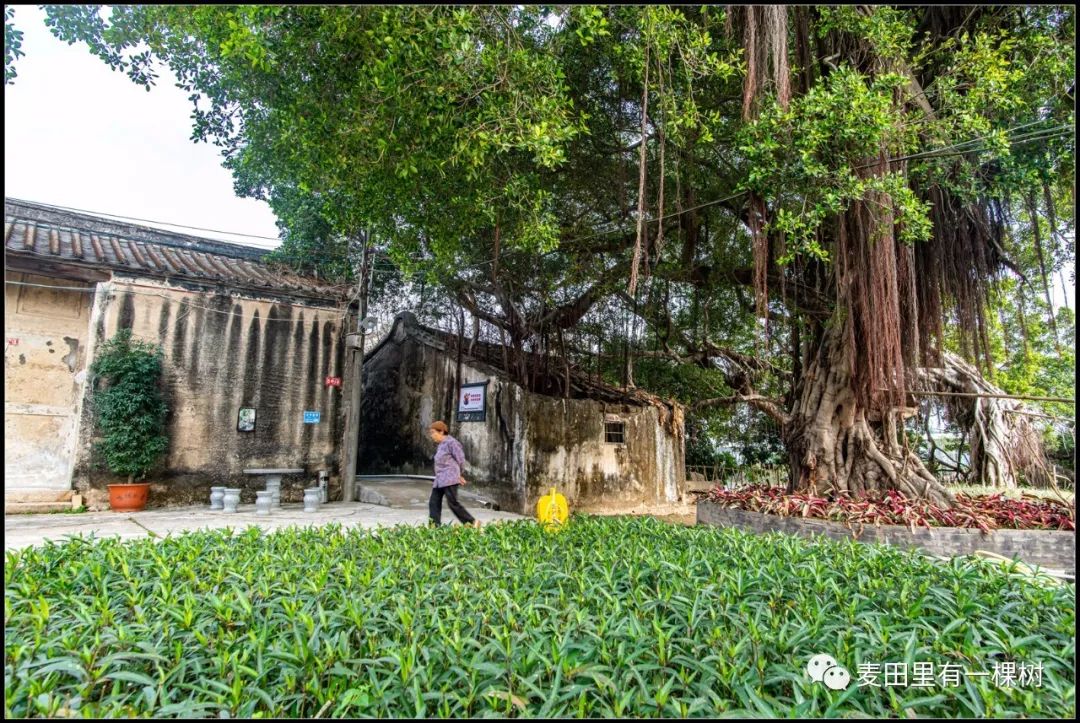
(81, 135)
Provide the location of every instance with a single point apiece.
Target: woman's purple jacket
(449, 460)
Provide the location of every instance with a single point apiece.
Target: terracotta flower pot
(129, 498)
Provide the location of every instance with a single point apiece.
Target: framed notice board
(472, 402)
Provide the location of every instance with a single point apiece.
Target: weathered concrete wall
(407, 386)
(528, 442)
(46, 334)
(1051, 549)
(567, 449)
(224, 351)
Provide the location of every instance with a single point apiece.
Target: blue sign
(312, 417)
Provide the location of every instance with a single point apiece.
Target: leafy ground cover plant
(986, 512)
(609, 617)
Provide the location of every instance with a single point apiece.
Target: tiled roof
(38, 231)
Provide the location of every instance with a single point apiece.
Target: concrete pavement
(34, 529)
(384, 502)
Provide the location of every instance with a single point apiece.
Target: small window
(615, 432)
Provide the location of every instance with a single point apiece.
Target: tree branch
(772, 407)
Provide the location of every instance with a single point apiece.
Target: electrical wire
(146, 220)
(94, 289)
(1042, 134)
(1062, 129)
(1058, 130)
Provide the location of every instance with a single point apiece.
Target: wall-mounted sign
(472, 402)
(333, 382)
(12, 341)
(245, 420)
(312, 417)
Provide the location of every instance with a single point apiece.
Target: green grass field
(608, 617)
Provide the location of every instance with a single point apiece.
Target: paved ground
(23, 530)
(384, 503)
(413, 494)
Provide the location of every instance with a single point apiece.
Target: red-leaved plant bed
(893, 508)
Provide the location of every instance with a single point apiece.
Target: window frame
(608, 431)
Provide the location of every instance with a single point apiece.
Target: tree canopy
(791, 208)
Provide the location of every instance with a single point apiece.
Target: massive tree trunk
(1004, 445)
(837, 445)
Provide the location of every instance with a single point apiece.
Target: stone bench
(274, 475)
(273, 479)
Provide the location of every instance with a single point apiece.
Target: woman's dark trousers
(435, 505)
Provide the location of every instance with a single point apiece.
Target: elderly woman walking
(449, 459)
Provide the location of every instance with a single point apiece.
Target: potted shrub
(130, 411)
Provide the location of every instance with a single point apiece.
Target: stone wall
(527, 443)
(1051, 549)
(224, 351)
(47, 329)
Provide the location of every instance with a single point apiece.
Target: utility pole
(352, 424)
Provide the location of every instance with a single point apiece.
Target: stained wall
(527, 443)
(46, 328)
(224, 351)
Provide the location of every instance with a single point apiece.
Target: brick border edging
(1051, 549)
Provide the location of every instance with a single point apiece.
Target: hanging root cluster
(765, 38)
(870, 262)
(954, 269)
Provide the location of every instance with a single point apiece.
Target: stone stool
(232, 499)
(312, 495)
(273, 478)
(216, 496)
(264, 500)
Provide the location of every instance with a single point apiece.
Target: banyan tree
(816, 205)
(919, 236)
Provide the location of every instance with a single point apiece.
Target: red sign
(12, 342)
(333, 382)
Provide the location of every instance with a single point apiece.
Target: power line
(71, 228)
(614, 231)
(168, 275)
(1059, 129)
(1024, 138)
(938, 154)
(148, 220)
(990, 396)
(1042, 134)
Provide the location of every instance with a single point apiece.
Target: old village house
(239, 335)
(605, 449)
(236, 334)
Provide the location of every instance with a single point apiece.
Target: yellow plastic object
(552, 510)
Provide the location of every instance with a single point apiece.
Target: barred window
(615, 432)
